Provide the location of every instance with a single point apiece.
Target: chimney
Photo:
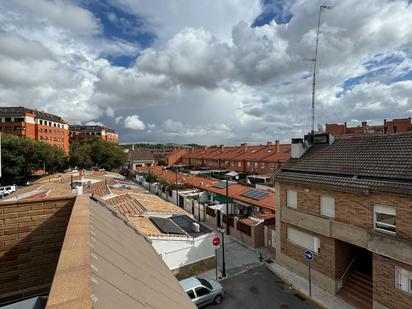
(244, 147)
(205, 148)
(132, 147)
(364, 124)
(222, 148)
(269, 144)
(277, 146)
(297, 148)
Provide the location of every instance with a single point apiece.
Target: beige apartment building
(349, 200)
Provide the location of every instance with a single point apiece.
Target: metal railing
(345, 273)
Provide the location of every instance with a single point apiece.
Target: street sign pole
(309, 257)
(310, 281)
(216, 261)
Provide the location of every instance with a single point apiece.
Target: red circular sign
(216, 241)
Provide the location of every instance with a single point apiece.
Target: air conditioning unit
(196, 227)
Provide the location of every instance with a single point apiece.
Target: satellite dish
(321, 128)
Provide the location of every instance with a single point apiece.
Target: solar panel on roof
(220, 185)
(166, 226)
(186, 224)
(255, 194)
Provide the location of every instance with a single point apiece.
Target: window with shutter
(327, 206)
(303, 239)
(292, 199)
(403, 279)
(385, 219)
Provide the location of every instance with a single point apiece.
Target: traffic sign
(216, 241)
(308, 255)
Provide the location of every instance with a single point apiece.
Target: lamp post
(177, 187)
(222, 232)
(230, 174)
(150, 180)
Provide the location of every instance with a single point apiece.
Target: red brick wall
(354, 208)
(384, 290)
(31, 235)
(324, 262)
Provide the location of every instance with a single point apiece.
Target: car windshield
(205, 283)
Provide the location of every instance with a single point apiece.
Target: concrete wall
(195, 268)
(31, 236)
(177, 252)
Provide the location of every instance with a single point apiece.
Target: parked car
(6, 190)
(203, 291)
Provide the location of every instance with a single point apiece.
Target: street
(259, 288)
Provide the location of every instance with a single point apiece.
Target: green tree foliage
(151, 178)
(97, 153)
(21, 156)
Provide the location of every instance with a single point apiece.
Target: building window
(304, 240)
(7, 119)
(403, 279)
(256, 165)
(191, 294)
(41, 121)
(41, 130)
(201, 291)
(248, 164)
(239, 164)
(292, 199)
(385, 219)
(45, 130)
(327, 206)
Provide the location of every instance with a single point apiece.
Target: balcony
(380, 243)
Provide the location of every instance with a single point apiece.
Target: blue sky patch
(276, 10)
(120, 25)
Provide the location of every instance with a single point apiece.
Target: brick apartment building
(349, 200)
(79, 133)
(36, 125)
(262, 159)
(389, 126)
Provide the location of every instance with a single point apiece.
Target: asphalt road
(261, 289)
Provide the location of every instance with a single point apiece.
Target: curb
(299, 291)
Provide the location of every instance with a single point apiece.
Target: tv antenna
(314, 60)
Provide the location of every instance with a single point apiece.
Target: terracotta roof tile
(360, 163)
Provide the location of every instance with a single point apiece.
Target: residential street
(259, 288)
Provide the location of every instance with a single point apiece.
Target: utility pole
(314, 60)
(177, 187)
(227, 206)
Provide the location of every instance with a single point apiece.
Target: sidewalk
(301, 285)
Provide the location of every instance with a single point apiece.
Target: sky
(207, 72)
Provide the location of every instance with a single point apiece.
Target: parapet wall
(31, 236)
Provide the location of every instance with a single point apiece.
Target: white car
(6, 190)
(203, 291)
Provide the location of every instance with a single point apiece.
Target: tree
(97, 152)
(21, 156)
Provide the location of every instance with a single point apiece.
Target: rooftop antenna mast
(314, 60)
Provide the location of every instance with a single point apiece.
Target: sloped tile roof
(360, 163)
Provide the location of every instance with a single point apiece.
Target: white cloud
(95, 123)
(167, 17)
(209, 77)
(61, 13)
(133, 122)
